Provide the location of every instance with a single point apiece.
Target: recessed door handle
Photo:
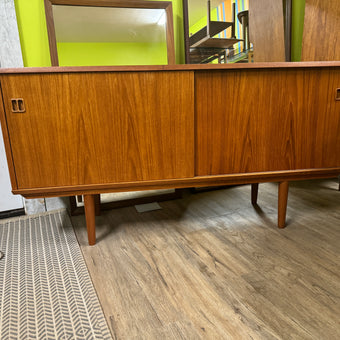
(337, 94)
(18, 105)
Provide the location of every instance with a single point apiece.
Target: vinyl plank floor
(212, 266)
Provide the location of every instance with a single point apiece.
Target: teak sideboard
(90, 130)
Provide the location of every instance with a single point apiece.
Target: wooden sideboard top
(183, 67)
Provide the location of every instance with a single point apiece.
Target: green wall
(32, 32)
(101, 54)
(298, 14)
(35, 49)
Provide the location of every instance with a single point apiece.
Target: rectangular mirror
(84, 33)
(237, 31)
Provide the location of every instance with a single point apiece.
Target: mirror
(237, 31)
(85, 33)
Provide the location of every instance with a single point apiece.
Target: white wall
(7, 200)
(10, 56)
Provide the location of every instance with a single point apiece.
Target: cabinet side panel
(267, 120)
(7, 143)
(91, 128)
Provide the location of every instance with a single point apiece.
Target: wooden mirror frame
(166, 5)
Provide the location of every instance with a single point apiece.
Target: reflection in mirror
(235, 31)
(109, 36)
(267, 33)
(218, 31)
(85, 35)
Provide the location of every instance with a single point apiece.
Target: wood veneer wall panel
(101, 128)
(321, 34)
(269, 120)
(266, 30)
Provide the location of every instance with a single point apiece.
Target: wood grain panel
(182, 67)
(198, 181)
(101, 128)
(114, 3)
(321, 34)
(52, 40)
(266, 30)
(170, 37)
(271, 120)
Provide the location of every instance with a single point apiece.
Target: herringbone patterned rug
(45, 288)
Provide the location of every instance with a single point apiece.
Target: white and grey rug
(45, 288)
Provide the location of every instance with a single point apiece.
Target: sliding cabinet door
(267, 120)
(90, 128)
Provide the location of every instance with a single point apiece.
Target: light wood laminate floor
(211, 266)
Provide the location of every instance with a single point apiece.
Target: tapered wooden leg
(254, 193)
(282, 203)
(97, 204)
(89, 203)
